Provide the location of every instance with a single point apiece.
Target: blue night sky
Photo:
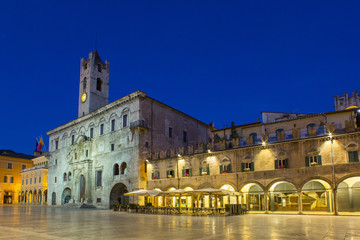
(218, 61)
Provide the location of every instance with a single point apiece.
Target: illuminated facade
(288, 162)
(11, 164)
(34, 182)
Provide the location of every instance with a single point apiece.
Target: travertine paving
(21, 222)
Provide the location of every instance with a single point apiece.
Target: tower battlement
(345, 101)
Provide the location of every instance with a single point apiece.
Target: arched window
(123, 168)
(98, 84)
(225, 166)
(69, 176)
(116, 169)
(65, 177)
(84, 83)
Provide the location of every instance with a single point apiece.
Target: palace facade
(101, 155)
(11, 165)
(288, 162)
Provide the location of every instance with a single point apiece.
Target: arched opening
(117, 194)
(69, 176)
(35, 197)
(221, 201)
(66, 196)
(116, 169)
(40, 197)
(316, 196)
(252, 196)
(283, 197)
(26, 197)
(45, 196)
(82, 188)
(348, 195)
(53, 198)
(65, 177)
(30, 197)
(123, 168)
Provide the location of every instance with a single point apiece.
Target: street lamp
(333, 171)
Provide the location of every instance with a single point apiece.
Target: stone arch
(187, 185)
(66, 196)
(35, 197)
(283, 179)
(113, 115)
(168, 187)
(45, 195)
(253, 196)
(350, 175)
(301, 185)
(219, 185)
(117, 194)
(316, 195)
(348, 194)
(81, 131)
(283, 196)
(246, 183)
(40, 198)
(205, 185)
(81, 139)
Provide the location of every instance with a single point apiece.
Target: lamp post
(333, 173)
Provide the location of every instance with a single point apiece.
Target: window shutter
(221, 169)
(208, 170)
(229, 168)
(152, 175)
(351, 156)
(167, 174)
(276, 164)
(190, 172)
(242, 166)
(200, 170)
(158, 175)
(286, 162)
(319, 162)
(307, 161)
(252, 166)
(356, 156)
(183, 172)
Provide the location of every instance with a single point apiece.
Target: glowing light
(179, 155)
(264, 143)
(209, 151)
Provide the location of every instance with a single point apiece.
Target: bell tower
(94, 84)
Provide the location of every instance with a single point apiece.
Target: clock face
(83, 97)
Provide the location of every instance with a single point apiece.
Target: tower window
(125, 120)
(91, 132)
(184, 136)
(98, 84)
(99, 68)
(101, 129)
(56, 144)
(84, 83)
(72, 139)
(170, 132)
(112, 147)
(113, 125)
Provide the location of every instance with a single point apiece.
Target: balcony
(139, 124)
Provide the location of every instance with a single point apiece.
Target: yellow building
(11, 164)
(34, 182)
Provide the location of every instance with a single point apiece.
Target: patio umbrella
(143, 192)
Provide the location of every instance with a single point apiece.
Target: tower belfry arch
(93, 84)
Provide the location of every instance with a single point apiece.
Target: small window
(116, 169)
(11, 179)
(112, 147)
(99, 68)
(55, 161)
(170, 173)
(22, 182)
(91, 132)
(75, 155)
(170, 132)
(123, 168)
(225, 168)
(30, 181)
(86, 153)
(101, 129)
(313, 160)
(125, 120)
(155, 175)
(186, 172)
(23, 166)
(39, 179)
(84, 83)
(184, 136)
(146, 144)
(56, 144)
(98, 178)
(72, 139)
(98, 84)
(26, 181)
(65, 177)
(10, 166)
(34, 180)
(98, 200)
(55, 180)
(69, 176)
(113, 125)
(5, 179)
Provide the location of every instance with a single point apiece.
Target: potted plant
(154, 177)
(170, 176)
(204, 173)
(313, 164)
(116, 206)
(224, 171)
(133, 207)
(281, 166)
(186, 174)
(247, 169)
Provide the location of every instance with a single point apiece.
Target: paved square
(39, 222)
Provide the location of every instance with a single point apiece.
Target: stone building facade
(304, 164)
(11, 164)
(345, 101)
(101, 155)
(34, 182)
